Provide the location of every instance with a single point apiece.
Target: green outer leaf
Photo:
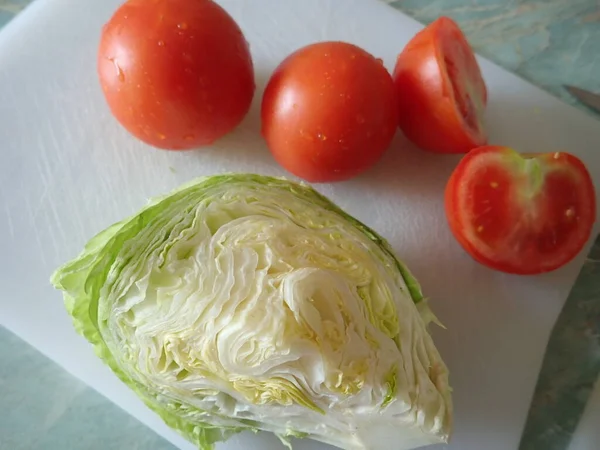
(83, 278)
(81, 281)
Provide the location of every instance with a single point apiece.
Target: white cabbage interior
(255, 307)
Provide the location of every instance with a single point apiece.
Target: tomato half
(440, 90)
(177, 74)
(328, 112)
(521, 214)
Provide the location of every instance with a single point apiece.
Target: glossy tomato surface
(177, 74)
(521, 215)
(440, 90)
(328, 112)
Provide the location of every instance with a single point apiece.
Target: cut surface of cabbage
(245, 302)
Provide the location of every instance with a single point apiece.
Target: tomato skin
(328, 112)
(177, 74)
(520, 215)
(440, 90)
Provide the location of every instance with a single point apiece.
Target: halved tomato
(440, 90)
(521, 214)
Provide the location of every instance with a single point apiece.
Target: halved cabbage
(248, 302)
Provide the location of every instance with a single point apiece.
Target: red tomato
(517, 214)
(440, 90)
(328, 112)
(177, 74)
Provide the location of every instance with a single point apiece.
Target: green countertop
(548, 42)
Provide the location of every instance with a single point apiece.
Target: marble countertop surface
(548, 42)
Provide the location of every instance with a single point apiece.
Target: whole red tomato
(440, 90)
(522, 215)
(177, 74)
(328, 112)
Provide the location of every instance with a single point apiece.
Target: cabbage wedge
(245, 302)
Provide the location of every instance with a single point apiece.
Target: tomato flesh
(177, 74)
(440, 90)
(521, 215)
(328, 112)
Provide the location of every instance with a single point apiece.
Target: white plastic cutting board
(67, 170)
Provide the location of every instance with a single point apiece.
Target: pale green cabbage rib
(245, 302)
